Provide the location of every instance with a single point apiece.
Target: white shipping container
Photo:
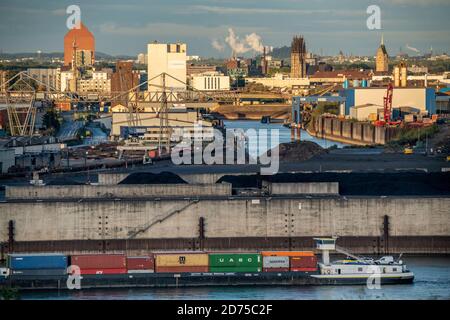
(275, 262)
(141, 271)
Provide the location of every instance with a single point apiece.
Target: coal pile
(364, 184)
(153, 178)
(299, 151)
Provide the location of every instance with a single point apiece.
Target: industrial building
(423, 99)
(7, 159)
(95, 81)
(82, 39)
(123, 79)
(280, 81)
(170, 59)
(149, 122)
(51, 78)
(210, 81)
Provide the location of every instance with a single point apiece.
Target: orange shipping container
(182, 260)
(287, 253)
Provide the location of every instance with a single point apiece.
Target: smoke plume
(412, 49)
(217, 45)
(251, 42)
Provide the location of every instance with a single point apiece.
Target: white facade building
(99, 82)
(170, 59)
(51, 78)
(211, 81)
(66, 76)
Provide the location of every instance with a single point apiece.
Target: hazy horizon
(328, 26)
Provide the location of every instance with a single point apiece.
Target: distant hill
(52, 55)
(281, 53)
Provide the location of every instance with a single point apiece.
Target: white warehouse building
(211, 81)
(170, 59)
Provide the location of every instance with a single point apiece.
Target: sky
(126, 26)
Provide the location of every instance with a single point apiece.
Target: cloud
(256, 10)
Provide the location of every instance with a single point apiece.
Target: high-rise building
(81, 39)
(382, 59)
(169, 59)
(298, 61)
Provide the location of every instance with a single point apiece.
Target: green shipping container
(235, 269)
(235, 260)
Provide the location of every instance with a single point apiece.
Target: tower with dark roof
(84, 41)
(382, 58)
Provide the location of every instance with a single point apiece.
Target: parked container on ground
(37, 261)
(181, 260)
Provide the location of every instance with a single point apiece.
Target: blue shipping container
(37, 261)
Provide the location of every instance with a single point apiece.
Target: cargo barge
(188, 269)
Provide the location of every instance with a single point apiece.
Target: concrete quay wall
(117, 191)
(304, 188)
(357, 133)
(225, 218)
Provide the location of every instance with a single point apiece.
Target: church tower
(382, 59)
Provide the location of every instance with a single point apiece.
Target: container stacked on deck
(38, 264)
(181, 262)
(100, 263)
(276, 264)
(235, 262)
(299, 261)
(142, 264)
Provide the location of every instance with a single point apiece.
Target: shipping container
(141, 263)
(104, 271)
(409, 118)
(235, 269)
(303, 269)
(181, 259)
(141, 271)
(40, 272)
(275, 262)
(99, 261)
(180, 269)
(303, 262)
(275, 269)
(37, 261)
(235, 260)
(373, 117)
(287, 253)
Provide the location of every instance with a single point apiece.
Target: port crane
(387, 109)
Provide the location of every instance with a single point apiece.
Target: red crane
(388, 103)
(387, 109)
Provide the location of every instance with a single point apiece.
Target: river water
(284, 135)
(432, 281)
